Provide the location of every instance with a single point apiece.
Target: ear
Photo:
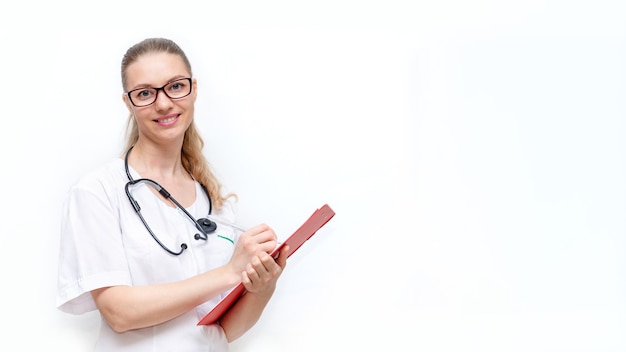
(126, 101)
(194, 91)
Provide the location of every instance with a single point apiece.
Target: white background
(473, 151)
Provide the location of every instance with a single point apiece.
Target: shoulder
(105, 178)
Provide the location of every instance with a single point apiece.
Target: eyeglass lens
(177, 89)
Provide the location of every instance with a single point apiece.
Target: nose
(162, 102)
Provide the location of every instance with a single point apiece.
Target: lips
(166, 120)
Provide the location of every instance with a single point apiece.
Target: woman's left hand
(263, 271)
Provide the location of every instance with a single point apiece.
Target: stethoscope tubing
(210, 225)
(165, 194)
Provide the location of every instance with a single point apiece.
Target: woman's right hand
(252, 243)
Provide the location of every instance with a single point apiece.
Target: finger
(259, 230)
(246, 280)
(282, 256)
(267, 247)
(252, 273)
(271, 269)
(260, 237)
(263, 233)
(266, 240)
(266, 264)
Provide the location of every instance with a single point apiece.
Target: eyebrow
(146, 85)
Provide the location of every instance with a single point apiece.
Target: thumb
(282, 256)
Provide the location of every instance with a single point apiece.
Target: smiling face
(166, 120)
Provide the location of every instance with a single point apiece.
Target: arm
(127, 308)
(259, 279)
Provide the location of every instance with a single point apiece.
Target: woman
(131, 243)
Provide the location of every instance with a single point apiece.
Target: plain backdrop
(473, 152)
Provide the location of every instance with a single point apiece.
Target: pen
(224, 222)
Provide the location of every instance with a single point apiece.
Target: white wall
(473, 152)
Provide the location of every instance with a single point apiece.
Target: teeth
(169, 119)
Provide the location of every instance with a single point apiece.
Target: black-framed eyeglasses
(145, 96)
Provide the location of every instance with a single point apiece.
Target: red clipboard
(319, 218)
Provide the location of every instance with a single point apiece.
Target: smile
(167, 120)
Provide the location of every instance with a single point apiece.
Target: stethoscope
(204, 225)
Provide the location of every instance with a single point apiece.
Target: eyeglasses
(176, 89)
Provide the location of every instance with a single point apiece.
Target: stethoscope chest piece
(204, 225)
(207, 225)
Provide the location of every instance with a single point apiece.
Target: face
(165, 120)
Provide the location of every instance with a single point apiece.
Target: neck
(157, 162)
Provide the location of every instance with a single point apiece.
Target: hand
(258, 240)
(263, 271)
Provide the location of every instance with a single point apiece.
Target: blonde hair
(192, 158)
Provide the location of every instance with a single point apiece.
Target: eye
(178, 89)
(142, 94)
(178, 86)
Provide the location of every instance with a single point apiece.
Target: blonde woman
(146, 238)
